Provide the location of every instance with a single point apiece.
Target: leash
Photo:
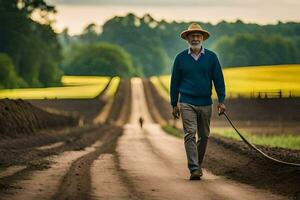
(252, 146)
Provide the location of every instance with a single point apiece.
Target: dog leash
(252, 146)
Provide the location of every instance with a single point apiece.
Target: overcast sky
(179, 2)
(76, 14)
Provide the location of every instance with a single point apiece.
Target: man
(193, 72)
(141, 121)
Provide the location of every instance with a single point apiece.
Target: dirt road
(154, 163)
(126, 162)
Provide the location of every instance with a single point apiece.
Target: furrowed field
(73, 87)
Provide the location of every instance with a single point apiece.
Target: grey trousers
(195, 119)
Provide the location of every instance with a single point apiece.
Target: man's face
(195, 40)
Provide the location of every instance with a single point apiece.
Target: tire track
(41, 181)
(76, 184)
(65, 169)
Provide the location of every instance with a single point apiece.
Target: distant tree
(153, 44)
(8, 75)
(141, 39)
(256, 49)
(99, 59)
(90, 34)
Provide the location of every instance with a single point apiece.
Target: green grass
(245, 80)
(172, 131)
(284, 141)
(74, 87)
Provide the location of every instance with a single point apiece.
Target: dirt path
(56, 164)
(154, 163)
(234, 159)
(119, 162)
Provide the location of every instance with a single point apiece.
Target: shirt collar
(202, 50)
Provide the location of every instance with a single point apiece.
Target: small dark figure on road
(193, 72)
(141, 121)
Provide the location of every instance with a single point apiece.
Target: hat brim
(205, 34)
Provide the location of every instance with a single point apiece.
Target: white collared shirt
(196, 57)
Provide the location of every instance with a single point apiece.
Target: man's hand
(221, 108)
(176, 112)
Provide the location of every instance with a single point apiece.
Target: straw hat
(194, 27)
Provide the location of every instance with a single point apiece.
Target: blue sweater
(193, 79)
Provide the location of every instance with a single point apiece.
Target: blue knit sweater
(192, 79)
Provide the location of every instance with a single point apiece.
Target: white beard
(195, 47)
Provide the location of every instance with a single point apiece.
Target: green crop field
(245, 81)
(283, 141)
(73, 87)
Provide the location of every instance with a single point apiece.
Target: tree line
(29, 50)
(33, 55)
(153, 44)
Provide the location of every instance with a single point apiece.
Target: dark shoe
(195, 175)
(200, 172)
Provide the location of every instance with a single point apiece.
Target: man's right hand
(176, 112)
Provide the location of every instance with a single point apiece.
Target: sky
(77, 14)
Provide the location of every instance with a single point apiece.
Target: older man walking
(193, 72)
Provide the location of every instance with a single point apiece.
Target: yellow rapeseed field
(74, 87)
(245, 81)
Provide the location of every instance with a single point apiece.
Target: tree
(154, 44)
(100, 59)
(256, 49)
(140, 37)
(8, 75)
(30, 44)
(90, 34)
